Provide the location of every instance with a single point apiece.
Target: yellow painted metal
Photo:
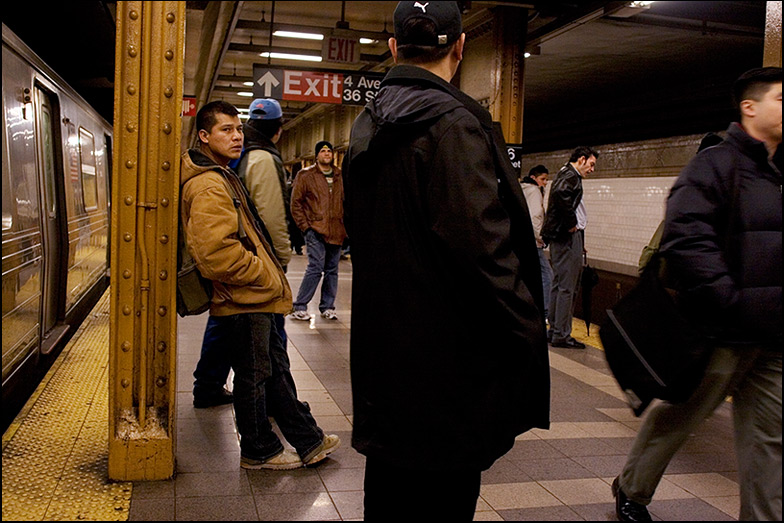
(54, 453)
(510, 28)
(772, 53)
(145, 194)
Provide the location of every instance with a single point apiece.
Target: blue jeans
(547, 279)
(263, 387)
(322, 258)
(213, 367)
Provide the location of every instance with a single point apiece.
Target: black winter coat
(448, 354)
(722, 240)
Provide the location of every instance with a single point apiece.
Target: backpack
(194, 291)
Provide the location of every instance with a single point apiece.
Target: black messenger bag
(652, 350)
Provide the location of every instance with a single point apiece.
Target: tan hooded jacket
(228, 248)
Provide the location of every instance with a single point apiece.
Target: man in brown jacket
(230, 246)
(317, 209)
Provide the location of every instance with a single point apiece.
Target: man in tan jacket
(229, 244)
(317, 209)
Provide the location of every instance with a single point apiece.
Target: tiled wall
(625, 196)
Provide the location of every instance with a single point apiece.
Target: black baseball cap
(445, 15)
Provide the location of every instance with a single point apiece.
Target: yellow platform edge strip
(55, 453)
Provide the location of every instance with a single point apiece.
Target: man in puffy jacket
(722, 242)
(443, 250)
(317, 209)
(229, 244)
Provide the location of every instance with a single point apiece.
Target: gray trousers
(567, 260)
(753, 377)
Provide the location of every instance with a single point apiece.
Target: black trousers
(392, 492)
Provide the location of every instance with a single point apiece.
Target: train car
(56, 169)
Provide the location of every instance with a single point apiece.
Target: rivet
(164, 239)
(163, 275)
(129, 164)
(133, 15)
(125, 382)
(161, 381)
(126, 274)
(127, 237)
(161, 346)
(165, 166)
(132, 51)
(126, 346)
(170, 18)
(168, 92)
(168, 54)
(131, 89)
(126, 310)
(162, 311)
(167, 128)
(130, 127)
(164, 201)
(129, 200)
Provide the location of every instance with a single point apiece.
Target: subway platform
(55, 452)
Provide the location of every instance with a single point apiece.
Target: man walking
(443, 250)
(317, 209)
(722, 242)
(563, 230)
(227, 242)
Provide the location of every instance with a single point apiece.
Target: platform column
(149, 58)
(772, 53)
(509, 34)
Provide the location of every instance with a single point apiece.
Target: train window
(87, 157)
(47, 152)
(8, 205)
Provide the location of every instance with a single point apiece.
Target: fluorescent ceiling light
(245, 93)
(287, 56)
(247, 84)
(367, 41)
(294, 34)
(527, 55)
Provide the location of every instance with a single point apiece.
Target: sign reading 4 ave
(315, 86)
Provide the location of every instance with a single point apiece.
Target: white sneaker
(285, 460)
(300, 315)
(330, 444)
(329, 314)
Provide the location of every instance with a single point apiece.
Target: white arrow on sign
(268, 81)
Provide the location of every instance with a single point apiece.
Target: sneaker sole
(321, 456)
(268, 466)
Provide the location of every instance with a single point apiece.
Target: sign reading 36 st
(356, 88)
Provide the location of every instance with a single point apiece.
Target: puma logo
(421, 6)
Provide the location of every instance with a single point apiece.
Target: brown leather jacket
(314, 207)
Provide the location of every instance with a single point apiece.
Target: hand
(573, 229)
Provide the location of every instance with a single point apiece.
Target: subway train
(56, 175)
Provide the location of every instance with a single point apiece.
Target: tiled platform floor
(560, 474)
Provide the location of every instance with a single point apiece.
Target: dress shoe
(223, 397)
(569, 343)
(626, 509)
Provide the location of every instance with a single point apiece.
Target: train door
(51, 217)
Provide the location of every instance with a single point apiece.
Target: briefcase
(651, 348)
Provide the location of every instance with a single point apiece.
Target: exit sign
(341, 49)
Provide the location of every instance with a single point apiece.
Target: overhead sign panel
(343, 49)
(315, 86)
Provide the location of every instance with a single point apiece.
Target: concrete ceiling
(601, 76)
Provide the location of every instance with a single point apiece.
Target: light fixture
(247, 84)
(294, 34)
(367, 41)
(246, 94)
(288, 56)
(633, 8)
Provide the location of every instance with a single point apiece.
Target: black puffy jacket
(722, 240)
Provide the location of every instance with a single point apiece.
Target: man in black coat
(722, 242)
(448, 354)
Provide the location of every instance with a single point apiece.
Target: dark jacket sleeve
(561, 216)
(469, 220)
(694, 239)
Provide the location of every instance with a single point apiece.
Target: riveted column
(772, 53)
(145, 191)
(509, 32)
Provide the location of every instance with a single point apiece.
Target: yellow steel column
(772, 53)
(145, 192)
(510, 29)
